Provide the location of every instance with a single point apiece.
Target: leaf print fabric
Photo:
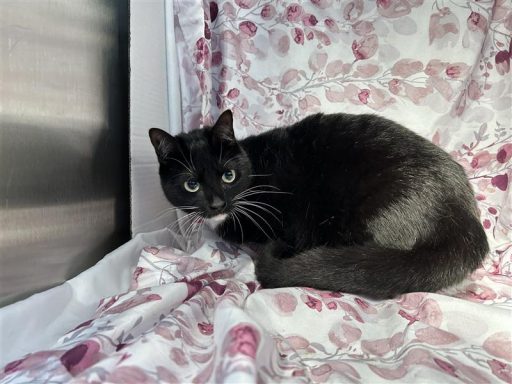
(195, 313)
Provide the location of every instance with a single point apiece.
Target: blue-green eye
(191, 185)
(229, 176)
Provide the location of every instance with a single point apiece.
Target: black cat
(352, 203)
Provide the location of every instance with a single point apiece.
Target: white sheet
(37, 322)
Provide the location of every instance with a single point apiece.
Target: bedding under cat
(351, 203)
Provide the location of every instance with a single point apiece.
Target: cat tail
(373, 271)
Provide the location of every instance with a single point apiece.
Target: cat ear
(223, 128)
(164, 143)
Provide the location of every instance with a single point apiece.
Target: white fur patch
(215, 221)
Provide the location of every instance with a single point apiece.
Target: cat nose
(217, 203)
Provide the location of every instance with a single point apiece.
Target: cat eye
(229, 176)
(191, 185)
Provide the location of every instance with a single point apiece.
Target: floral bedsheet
(195, 312)
(198, 316)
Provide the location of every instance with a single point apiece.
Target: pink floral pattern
(195, 314)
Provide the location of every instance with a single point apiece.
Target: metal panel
(64, 187)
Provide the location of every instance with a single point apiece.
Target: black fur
(352, 203)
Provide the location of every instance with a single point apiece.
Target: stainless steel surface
(64, 193)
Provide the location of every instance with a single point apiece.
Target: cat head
(202, 171)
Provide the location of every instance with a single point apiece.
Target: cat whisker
(182, 221)
(235, 216)
(263, 185)
(185, 158)
(261, 203)
(245, 211)
(251, 193)
(183, 208)
(192, 224)
(182, 164)
(262, 175)
(231, 158)
(255, 188)
(239, 210)
(255, 205)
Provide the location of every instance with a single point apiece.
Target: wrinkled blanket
(195, 312)
(198, 316)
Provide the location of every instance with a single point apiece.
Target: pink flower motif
(394, 86)
(135, 278)
(481, 159)
(331, 25)
(13, 366)
(293, 12)
(500, 181)
(492, 210)
(342, 335)
(214, 10)
(248, 28)
(309, 20)
(406, 67)
(442, 23)
(233, 93)
(286, 302)
(487, 224)
(363, 304)
(499, 345)
(309, 103)
(504, 153)
(502, 60)
(363, 27)
(477, 22)
(435, 67)
(363, 96)
(393, 8)
(298, 35)
(366, 47)
(217, 58)
(205, 328)
(435, 336)
(245, 4)
(81, 357)
(322, 3)
(474, 92)
(406, 316)
(501, 370)
(152, 250)
(454, 71)
(353, 10)
(207, 33)
(331, 305)
(225, 73)
(202, 50)
(178, 356)
(127, 375)
(447, 367)
(310, 35)
(82, 325)
(268, 12)
(313, 303)
(244, 339)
